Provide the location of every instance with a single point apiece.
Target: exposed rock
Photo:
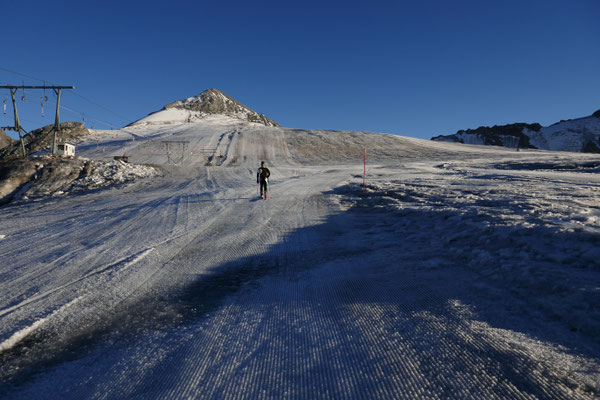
(41, 139)
(14, 175)
(591, 147)
(209, 102)
(5, 140)
(511, 135)
(577, 135)
(49, 175)
(213, 101)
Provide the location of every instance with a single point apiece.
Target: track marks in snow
(119, 266)
(354, 326)
(295, 298)
(20, 335)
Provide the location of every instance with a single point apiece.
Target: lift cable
(72, 92)
(24, 75)
(63, 107)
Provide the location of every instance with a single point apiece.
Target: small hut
(65, 149)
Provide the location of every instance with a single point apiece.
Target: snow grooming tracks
(553, 373)
(119, 266)
(60, 334)
(338, 319)
(20, 335)
(428, 286)
(222, 148)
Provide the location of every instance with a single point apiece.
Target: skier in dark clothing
(262, 177)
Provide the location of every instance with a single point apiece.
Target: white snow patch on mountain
(171, 116)
(569, 135)
(577, 135)
(196, 108)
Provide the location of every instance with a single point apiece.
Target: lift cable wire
(99, 105)
(73, 92)
(26, 76)
(63, 107)
(83, 114)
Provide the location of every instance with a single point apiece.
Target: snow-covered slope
(576, 135)
(582, 134)
(196, 108)
(460, 272)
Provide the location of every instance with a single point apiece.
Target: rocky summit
(209, 102)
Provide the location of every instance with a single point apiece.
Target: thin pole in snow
(364, 168)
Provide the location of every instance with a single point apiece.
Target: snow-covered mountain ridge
(193, 109)
(577, 135)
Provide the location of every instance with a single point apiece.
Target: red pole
(364, 168)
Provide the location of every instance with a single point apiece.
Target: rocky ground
(49, 175)
(42, 174)
(41, 139)
(5, 140)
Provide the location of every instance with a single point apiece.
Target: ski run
(461, 272)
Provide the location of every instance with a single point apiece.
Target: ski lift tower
(18, 128)
(170, 144)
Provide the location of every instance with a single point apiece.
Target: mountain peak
(577, 135)
(213, 101)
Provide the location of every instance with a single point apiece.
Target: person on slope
(262, 177)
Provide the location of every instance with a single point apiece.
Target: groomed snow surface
(462, 272)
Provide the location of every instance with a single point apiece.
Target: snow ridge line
(20, 335)
(125, 263)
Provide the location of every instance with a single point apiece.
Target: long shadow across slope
(363, 305)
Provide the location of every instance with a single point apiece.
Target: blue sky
(413, 68)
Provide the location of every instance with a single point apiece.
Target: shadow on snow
(363, 257)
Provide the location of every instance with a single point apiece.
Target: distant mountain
(209, 102)
(576, 135)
